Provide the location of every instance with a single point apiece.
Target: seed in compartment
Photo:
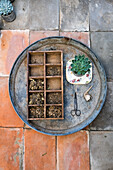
(54, 112)
(53, 70)
(54, 98)
(36, 112)
(36, 98)
(36, 84)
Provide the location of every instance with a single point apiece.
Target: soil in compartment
(37, 58)
(54, 112)
(36, 71)
(36, 112)
(36, 98)
(53, 70)
(53, 58)
(36, 84)
(54, 98)
(53, 84)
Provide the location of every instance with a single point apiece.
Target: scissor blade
(75, 102)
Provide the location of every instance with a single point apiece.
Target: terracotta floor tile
(8, 117)
(73, 152)
(26, 126)
(11, 149)
(80, 36)
(39, 151)
(12, 43)
(37, 35)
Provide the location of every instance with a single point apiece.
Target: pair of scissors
(75, 111)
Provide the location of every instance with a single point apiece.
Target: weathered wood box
(45, 85)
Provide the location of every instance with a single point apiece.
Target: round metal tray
(89, 110)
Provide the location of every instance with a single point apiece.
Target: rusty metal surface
(89, 110)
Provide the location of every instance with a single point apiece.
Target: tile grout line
(60, 30)
(90, 130)
(90, 39)
(1, 127)
(101, 31)
(89, 28)
(99, 131)
(89, 153)
(23, 158)
(59, 17)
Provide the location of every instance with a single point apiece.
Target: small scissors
(75, 111)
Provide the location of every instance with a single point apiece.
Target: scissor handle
(78, 112)
(75, 112)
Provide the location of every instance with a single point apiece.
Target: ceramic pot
(9, 18)
(12, 1)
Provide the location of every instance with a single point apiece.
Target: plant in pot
(7, 11)
(12, 1)
(80, 65)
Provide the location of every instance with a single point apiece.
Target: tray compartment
(36, 84)
(36, 98)
(53, 58)
(53, 83)
(54, 98)
(36, 71)
(36, 112)
(54, 111)
(45, 85)
(36, 57)
(53, 71)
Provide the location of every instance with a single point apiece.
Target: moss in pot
(7, 11)
(80, 65)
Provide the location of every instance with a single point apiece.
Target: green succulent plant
(80, 65)
(6, 7)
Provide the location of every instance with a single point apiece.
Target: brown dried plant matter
(36, 84)
(36, 98)
(37, 112)
(54, 98)
(54, 112)
(53, 70)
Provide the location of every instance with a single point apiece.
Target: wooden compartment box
(45, 85)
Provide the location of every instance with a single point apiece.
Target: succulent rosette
(80, 65)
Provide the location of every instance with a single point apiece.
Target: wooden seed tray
(46, 68)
